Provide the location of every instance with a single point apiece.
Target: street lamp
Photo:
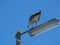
(43, 27)
(38, 29)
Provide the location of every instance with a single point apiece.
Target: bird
(34, 18)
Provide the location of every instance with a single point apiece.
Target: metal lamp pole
(18, 37)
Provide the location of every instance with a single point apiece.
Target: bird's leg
(28, 26)
(35, 23)
(32, 25)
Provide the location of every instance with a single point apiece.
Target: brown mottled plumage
(34, 18)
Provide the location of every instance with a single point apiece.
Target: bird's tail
(29, 24)
(40, 12)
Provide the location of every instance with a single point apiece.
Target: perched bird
(34, 18)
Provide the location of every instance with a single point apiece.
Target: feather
(34, 18)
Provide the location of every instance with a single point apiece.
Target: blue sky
(14, 15)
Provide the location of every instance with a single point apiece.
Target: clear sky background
(14, 14)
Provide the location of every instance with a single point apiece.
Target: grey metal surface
(43, 27)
